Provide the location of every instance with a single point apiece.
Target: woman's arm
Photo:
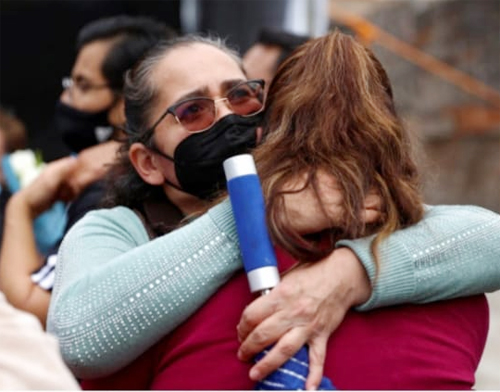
(19, 256)
(62, 179)
(453, 252)
(117, 293)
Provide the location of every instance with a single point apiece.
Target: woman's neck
(187, 203)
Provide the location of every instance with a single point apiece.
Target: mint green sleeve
(117, 293)
(453, 252)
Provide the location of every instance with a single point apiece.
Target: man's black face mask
(80, 130)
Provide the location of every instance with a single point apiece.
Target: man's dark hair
(133, 37)
(288, 42)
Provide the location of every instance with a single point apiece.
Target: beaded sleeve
(453, 252)
(117, 293)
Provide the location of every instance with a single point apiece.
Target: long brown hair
(330, 107)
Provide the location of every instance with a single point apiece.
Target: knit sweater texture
(117, 292)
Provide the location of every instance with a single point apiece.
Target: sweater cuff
(392, 277)
(222, 216)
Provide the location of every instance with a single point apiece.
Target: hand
(51, 185)
(92, 164)
(306, 307)
(304, 210)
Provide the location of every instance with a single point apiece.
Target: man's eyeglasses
(82, 85)
(199, 114)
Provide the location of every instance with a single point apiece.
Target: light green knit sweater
(117, 293)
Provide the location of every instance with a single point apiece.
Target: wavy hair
(330, 107)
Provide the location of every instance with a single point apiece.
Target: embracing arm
(453, 252)
(117, 293)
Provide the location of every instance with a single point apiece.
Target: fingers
(58, 172)
(80, 180)
(44, 190)
(93, 163)
(254, 314)
(62, 167)
(317, 353)
(84, 175)
(265, 334)
(55, 173)
(282, 351)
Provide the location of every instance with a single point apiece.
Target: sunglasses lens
(196, 114)
(247, 98)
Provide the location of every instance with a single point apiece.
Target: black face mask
(80, 130)
(198, 158)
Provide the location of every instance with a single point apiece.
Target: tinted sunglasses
(199, 114)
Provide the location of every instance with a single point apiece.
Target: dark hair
(330, 108)
(132, 37)
(127, 187)
(287, 42)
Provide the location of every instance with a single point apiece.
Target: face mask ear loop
(167, 182)
(161, 153)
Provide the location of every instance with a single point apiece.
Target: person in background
(271, 48)
(13, 137)
(129, 275)
(89, 116)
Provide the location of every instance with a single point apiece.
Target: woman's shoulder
(462, 218)
(118, 219)
(119, 215)
(459, 211)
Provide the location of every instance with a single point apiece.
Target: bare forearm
(19, 258)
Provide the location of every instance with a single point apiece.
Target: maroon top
(433, 346)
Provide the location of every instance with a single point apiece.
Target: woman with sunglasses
(130, 275)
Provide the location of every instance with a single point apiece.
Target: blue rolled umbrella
(259, 260)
